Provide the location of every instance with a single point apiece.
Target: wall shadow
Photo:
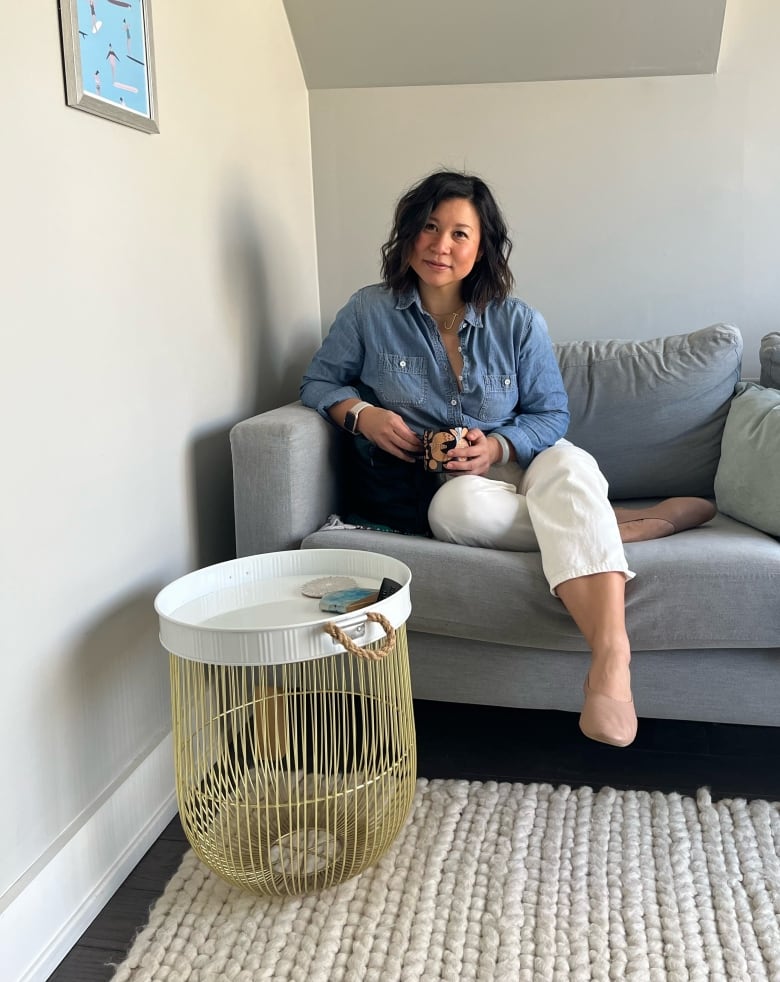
(211, 475)
(100, 709)
(106, 702)
(272, 361)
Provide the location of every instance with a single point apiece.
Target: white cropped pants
(558, 505)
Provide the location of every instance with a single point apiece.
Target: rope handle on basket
(371, 654)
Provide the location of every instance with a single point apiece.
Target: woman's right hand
(389, 432)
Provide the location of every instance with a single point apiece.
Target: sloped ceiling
(366, 43)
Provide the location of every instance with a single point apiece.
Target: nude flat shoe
(665, 518)
(607, 720)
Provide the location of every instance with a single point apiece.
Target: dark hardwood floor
(485, 743)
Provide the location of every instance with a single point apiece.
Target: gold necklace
(443, 317)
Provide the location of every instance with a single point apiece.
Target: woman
(441, 343)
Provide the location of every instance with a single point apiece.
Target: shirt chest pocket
(499, 396)
(403, 380)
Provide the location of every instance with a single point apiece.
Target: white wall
(155, 289)
(638, 207)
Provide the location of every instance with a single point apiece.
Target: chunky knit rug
(499, 883)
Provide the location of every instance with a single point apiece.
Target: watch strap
(351, 419)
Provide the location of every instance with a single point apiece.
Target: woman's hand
(477, 458)
(389, 432)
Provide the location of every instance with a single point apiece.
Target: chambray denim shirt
(511, 383)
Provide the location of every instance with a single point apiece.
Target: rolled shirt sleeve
(542, 414)
(337, 366)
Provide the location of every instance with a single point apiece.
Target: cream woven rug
(500, 883)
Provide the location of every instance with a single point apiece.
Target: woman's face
(445, 251)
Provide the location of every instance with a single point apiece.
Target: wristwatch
(351, 419)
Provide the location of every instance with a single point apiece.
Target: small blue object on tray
(344, 601)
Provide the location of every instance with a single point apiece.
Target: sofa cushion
(747, 484)
(652, 412)
(769, 355)
(710, 587)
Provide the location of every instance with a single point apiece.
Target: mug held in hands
(436, 443)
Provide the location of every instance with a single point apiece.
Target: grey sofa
(703, 612)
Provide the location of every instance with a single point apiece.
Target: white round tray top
(251, 611)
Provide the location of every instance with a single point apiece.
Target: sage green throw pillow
(747, 482)
(770, 359)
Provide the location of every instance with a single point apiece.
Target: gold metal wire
(292, 778)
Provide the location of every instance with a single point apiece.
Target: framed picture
(109, 60)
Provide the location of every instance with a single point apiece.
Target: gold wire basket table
(293, 729)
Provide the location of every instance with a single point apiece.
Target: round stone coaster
(327, 584)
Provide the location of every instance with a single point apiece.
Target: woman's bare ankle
(609, 673)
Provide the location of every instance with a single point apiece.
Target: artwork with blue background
(113, 52)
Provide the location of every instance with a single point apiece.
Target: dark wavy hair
(491, 278)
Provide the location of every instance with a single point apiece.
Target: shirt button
(507, 381)
(453, 402)
(402, 364)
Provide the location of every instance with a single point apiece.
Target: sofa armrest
(285, 477)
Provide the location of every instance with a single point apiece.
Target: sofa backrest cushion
(652, 412)
(769, 356)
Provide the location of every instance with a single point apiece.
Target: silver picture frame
(108, 57)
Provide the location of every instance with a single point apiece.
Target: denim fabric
(386, 490)
(511, 383)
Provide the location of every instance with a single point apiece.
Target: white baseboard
(47, 918)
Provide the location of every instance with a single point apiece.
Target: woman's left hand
(477, 458)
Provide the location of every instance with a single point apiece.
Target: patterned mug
(436, 443)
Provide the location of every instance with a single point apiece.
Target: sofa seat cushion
(652, 412)
(710, 587)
